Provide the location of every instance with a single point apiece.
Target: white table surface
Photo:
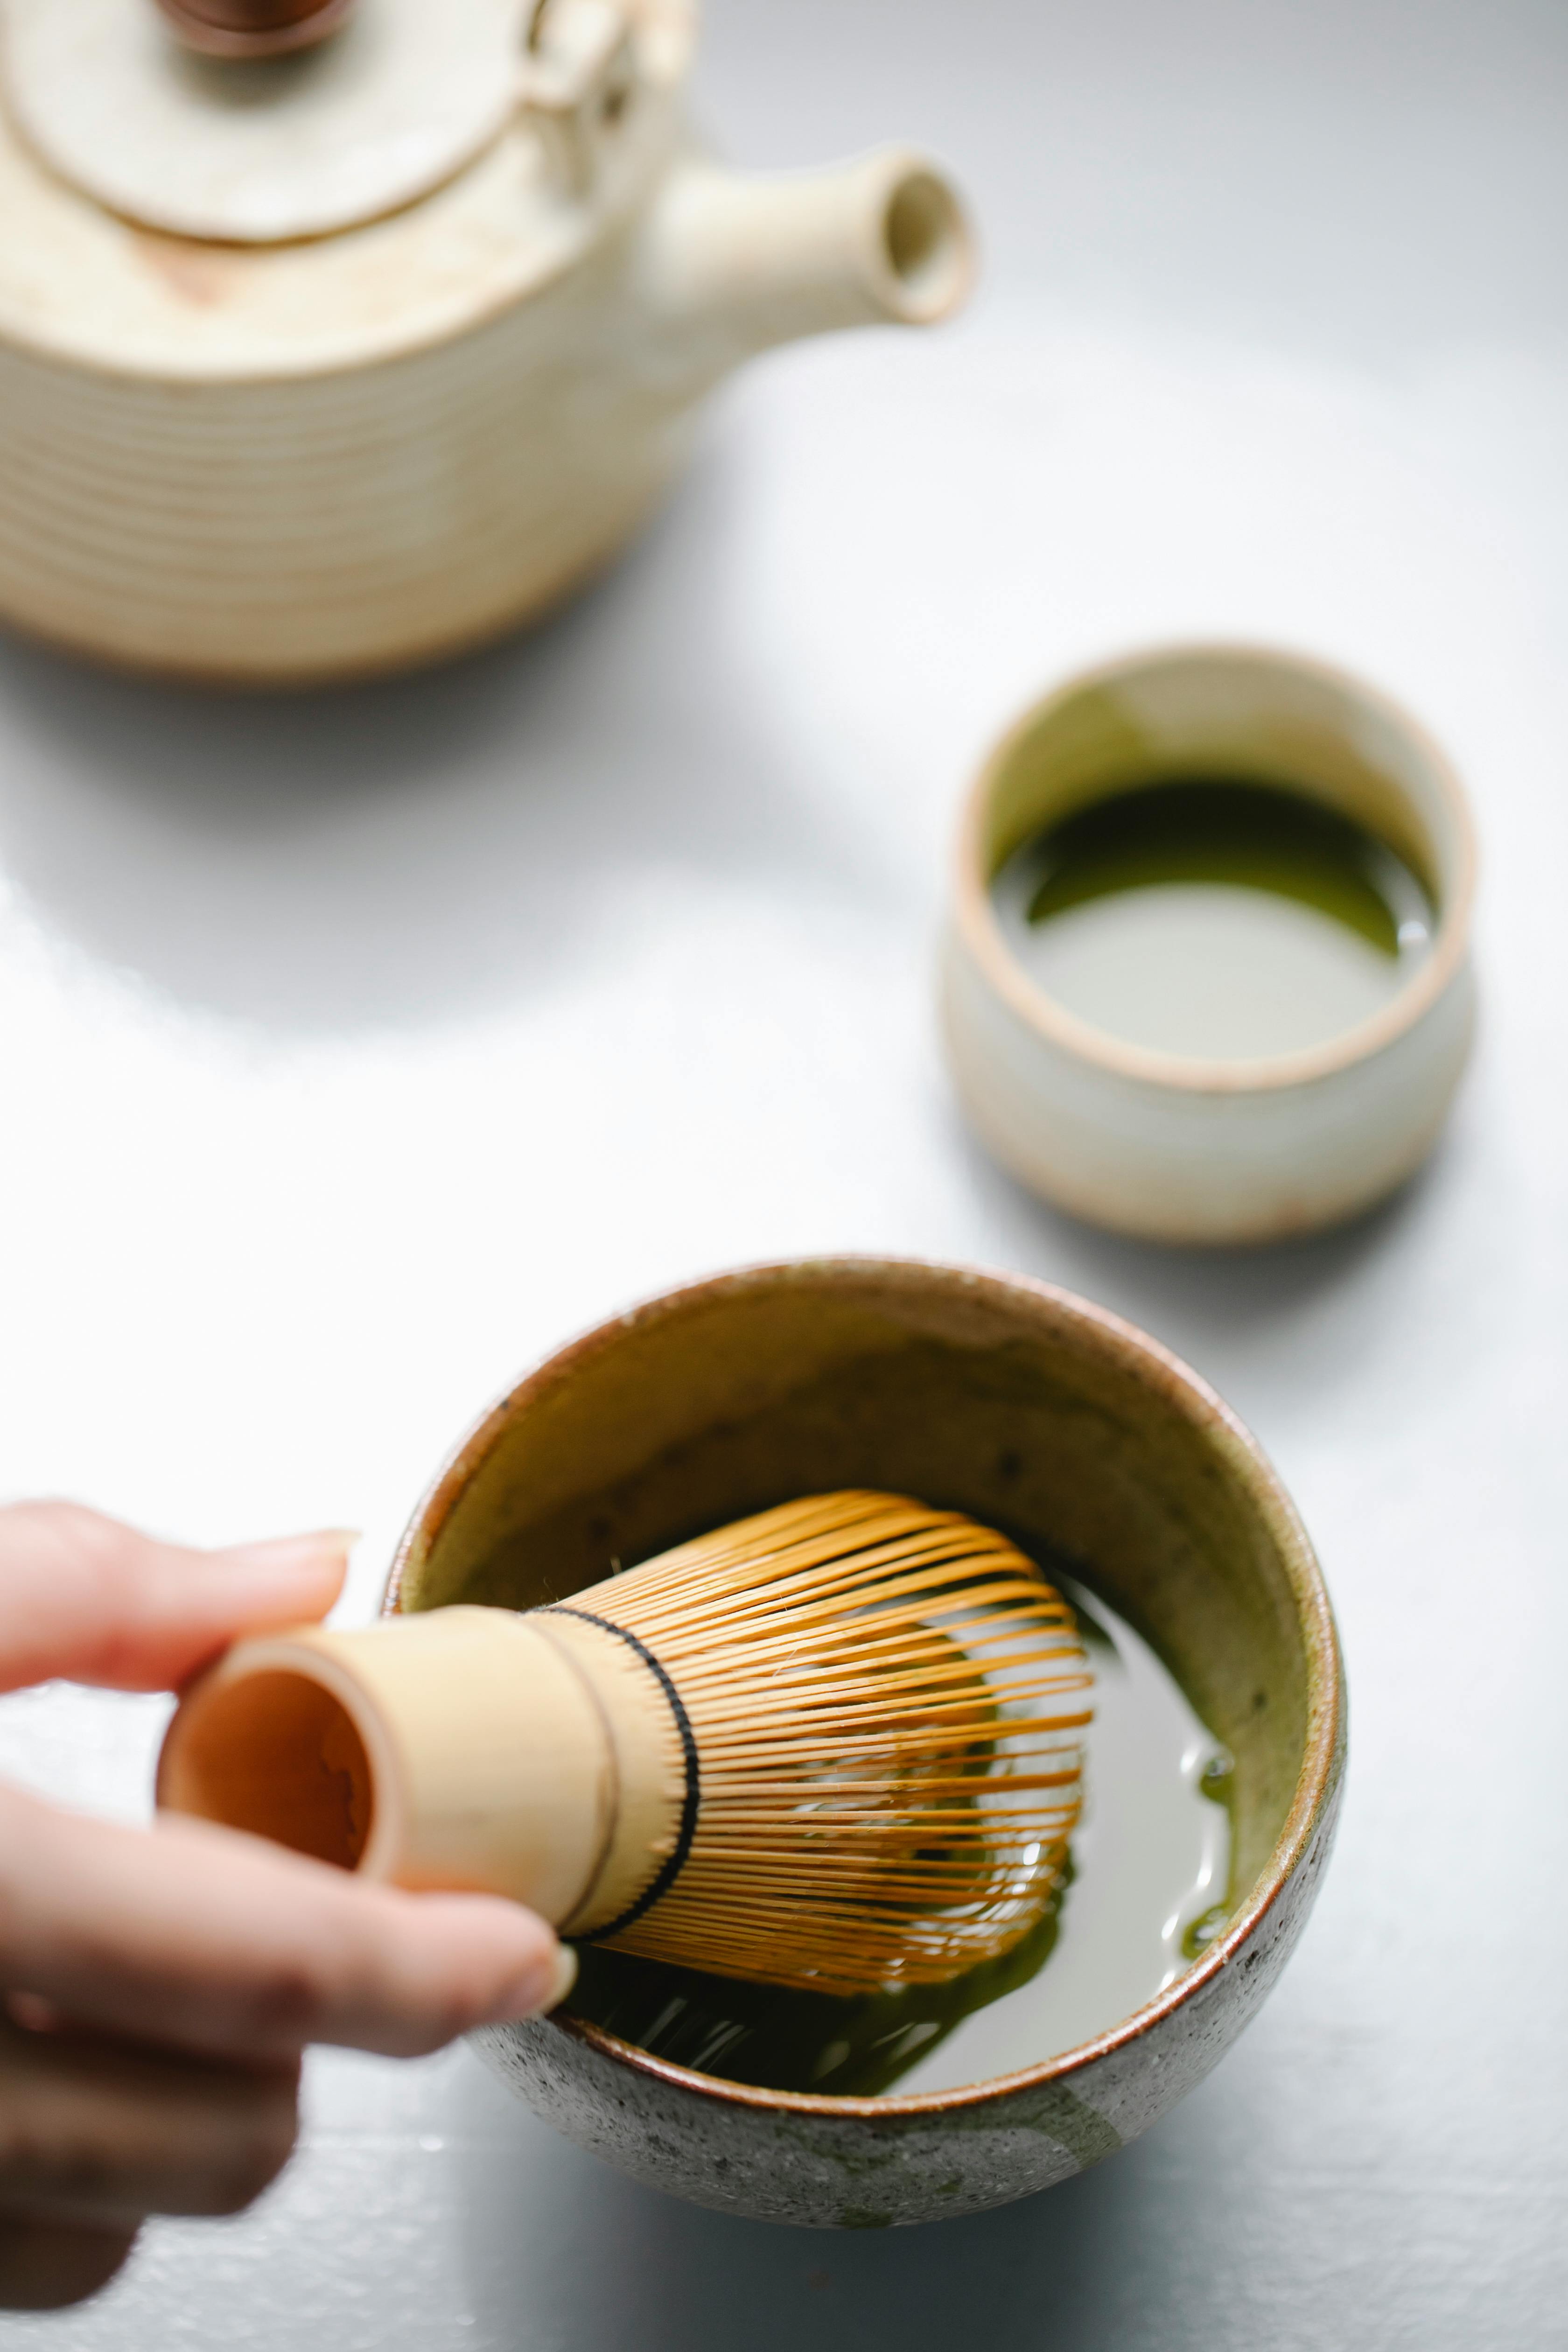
(355, 1051)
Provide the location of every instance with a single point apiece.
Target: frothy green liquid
(1148, 1885)
(1218, 918)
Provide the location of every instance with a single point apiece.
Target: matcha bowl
(1032, 1411)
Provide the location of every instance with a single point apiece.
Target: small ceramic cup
(1031, 1411)
(1209, 1151)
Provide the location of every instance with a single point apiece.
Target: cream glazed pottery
(1033, 1412)
(1154, 1144)
(325, 363)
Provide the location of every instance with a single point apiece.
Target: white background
(355, 1051)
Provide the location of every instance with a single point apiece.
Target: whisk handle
(527, 1756)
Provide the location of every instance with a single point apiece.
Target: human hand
(158, 1987)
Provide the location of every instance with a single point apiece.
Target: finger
(96, 2133)
(212, 1941)
(44, 2265)
(83, 1598)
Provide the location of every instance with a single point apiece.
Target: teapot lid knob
(254, 29)
(148, 107)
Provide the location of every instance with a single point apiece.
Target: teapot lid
(264, 150)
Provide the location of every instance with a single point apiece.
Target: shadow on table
(560, 2251)
(353, 857)
(1274, 1324)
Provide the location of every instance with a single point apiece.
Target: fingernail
(527, 1998)
(565, 1974)
(279, 1554)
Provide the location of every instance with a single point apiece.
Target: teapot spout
(732, 264)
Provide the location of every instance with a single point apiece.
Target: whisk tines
(885, 1704)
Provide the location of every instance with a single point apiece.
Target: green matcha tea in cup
(1207, 976)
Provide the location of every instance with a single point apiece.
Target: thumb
(90, 1601)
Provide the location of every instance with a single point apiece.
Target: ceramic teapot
(325, 355)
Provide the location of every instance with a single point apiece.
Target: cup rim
(974, 914)
(1133, 1350)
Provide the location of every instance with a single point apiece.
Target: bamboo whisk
(836, 1745)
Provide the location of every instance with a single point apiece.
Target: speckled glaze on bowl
(1031, 1410)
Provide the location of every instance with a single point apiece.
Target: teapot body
(311, 459)
(344, 517)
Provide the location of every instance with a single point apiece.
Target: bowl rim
(1130, 1349)
(975, 922)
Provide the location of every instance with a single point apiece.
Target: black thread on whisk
(675, 1863)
